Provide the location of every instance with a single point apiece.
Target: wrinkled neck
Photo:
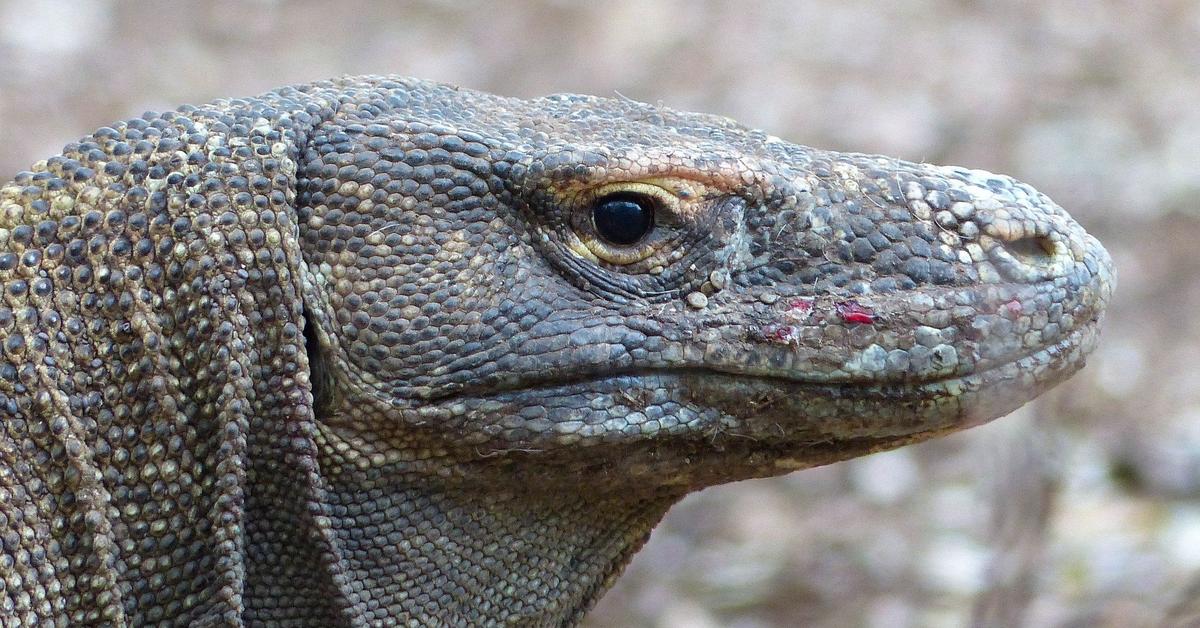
(447, 553)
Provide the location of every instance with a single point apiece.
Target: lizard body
(378, 350)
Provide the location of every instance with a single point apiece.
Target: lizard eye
(623, 218)
(627, 222)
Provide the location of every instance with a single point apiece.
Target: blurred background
(1082, 509)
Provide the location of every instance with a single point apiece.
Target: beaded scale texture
(379, 351)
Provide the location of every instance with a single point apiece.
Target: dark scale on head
(382, 350)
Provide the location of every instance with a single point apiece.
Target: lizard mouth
(690, 427)
(958, 401)
(641, 404)
(1054, 362)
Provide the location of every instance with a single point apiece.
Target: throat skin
(445, 553)
(419, 528)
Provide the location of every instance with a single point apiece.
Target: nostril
(1032, 250)
(1030, 257)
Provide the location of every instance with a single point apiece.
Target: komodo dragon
(378, 351)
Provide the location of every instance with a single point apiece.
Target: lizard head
(530, 326)
(688, 300)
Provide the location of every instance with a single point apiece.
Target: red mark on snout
(854, 312)
(798, 309)
(800, 305)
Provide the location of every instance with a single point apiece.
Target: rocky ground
(1082, 509)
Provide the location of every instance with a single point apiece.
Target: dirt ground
(1082, 509)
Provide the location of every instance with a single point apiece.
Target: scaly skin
(355, 352)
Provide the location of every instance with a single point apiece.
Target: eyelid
(667, 199)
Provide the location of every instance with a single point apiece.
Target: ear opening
(320, 378)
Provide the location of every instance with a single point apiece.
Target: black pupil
(623, 218)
